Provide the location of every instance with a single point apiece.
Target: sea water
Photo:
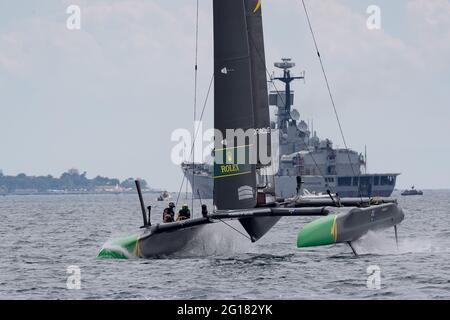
(42, 236)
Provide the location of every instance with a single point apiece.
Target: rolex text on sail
(230, 151)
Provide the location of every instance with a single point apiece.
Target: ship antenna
(329, 91)
(365, 158)
(278, 92)
(286, 65)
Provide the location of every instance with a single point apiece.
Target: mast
(234, 181)
(286, 65)
(241, 103)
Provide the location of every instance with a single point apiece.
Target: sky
(106, 98)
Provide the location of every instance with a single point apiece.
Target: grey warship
(301, 153)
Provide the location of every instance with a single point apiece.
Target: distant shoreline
(132, 192)
(77, 193)
(70, 182)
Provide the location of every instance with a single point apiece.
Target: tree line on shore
(72, 180)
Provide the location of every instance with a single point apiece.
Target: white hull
(286, 187)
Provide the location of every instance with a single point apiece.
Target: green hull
(123, 248)
(321, 232)
(349, 226)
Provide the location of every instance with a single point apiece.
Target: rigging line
(251, 40)
(329, 89)
(197, 131)
(283, 101)
(195, 100)
(267, 70)
(241, 233)
(262, 60)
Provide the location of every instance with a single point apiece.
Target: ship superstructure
(302, 153)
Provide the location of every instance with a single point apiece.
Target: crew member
(204, 211)
(184, 213)
(299, 185)
(169, 213)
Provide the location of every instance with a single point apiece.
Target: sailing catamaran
(243, 190)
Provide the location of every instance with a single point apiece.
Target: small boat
(306, 195)
(164, 196)
(412, 192)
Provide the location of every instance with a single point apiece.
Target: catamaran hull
(167, 243)
(166, 239)
(155, 241)
(350, 226)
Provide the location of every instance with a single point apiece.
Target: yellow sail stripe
(137, 249)
(233, 175)
(258, 5)
(234, 148)
(334, 229)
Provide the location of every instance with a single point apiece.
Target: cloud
(105, 97)
(389, 86)
(124, 75)
(432, 27)
(111, 31)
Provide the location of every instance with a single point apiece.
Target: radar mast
(286, 65)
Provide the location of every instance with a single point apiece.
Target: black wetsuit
(168, 215)
(184, 214)
(204, 211)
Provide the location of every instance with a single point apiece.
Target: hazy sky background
(106, 99)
